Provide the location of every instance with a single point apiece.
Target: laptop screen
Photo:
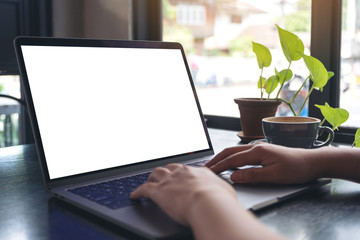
(104, 107)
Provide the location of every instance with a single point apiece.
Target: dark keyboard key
(114, 193)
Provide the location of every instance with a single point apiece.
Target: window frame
(326, 20)
(147, 20)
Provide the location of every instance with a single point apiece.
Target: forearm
(221, 217)
(342, 163)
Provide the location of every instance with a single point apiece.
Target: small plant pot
(252, 111)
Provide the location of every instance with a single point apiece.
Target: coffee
(291, 119)
(300, 132)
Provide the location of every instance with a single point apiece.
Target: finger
(257, 175)
(226, 153)
(173, 166)
(249, 175)
(145, 190)
(251, 156)
(158, 173)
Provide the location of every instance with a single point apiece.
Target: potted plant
(293, 50)
(253, 110)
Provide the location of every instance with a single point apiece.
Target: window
(25, 18)
(190, 14)
(326, 27)
(219, 50)
(350, 61)
(10, 111)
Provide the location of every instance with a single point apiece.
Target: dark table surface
(27, 210)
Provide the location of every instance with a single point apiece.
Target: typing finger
(173, 166)
(158, 174)
(252, 175)
(226, 153)
(239, 159)
(145, 190)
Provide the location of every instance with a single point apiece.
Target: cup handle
(330, 139)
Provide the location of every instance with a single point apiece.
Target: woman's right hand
(273, 163)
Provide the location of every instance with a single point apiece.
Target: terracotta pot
(252, 111)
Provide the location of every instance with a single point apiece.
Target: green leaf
(330, 75)
(357, 138)
(271, 84)
(285, 73)
(261, 82)
(319, 74)
(263, 55)
(292, 46)
(335, 116)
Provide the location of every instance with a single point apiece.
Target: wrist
(318, 163)
(221, 216)
(210, 210)
(205, 202)
(341, 162)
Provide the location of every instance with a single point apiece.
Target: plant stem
(261, 84)
(283, 82)
(322, 122)
(287, 103)
(307, 97)
(302, 86)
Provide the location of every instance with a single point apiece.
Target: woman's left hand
(177, 189)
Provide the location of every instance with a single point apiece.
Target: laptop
(104, 113)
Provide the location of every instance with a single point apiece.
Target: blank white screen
(99, 108)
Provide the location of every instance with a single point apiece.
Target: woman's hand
(178, 189)
(280, 165)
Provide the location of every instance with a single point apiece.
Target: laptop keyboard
(115, 194)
